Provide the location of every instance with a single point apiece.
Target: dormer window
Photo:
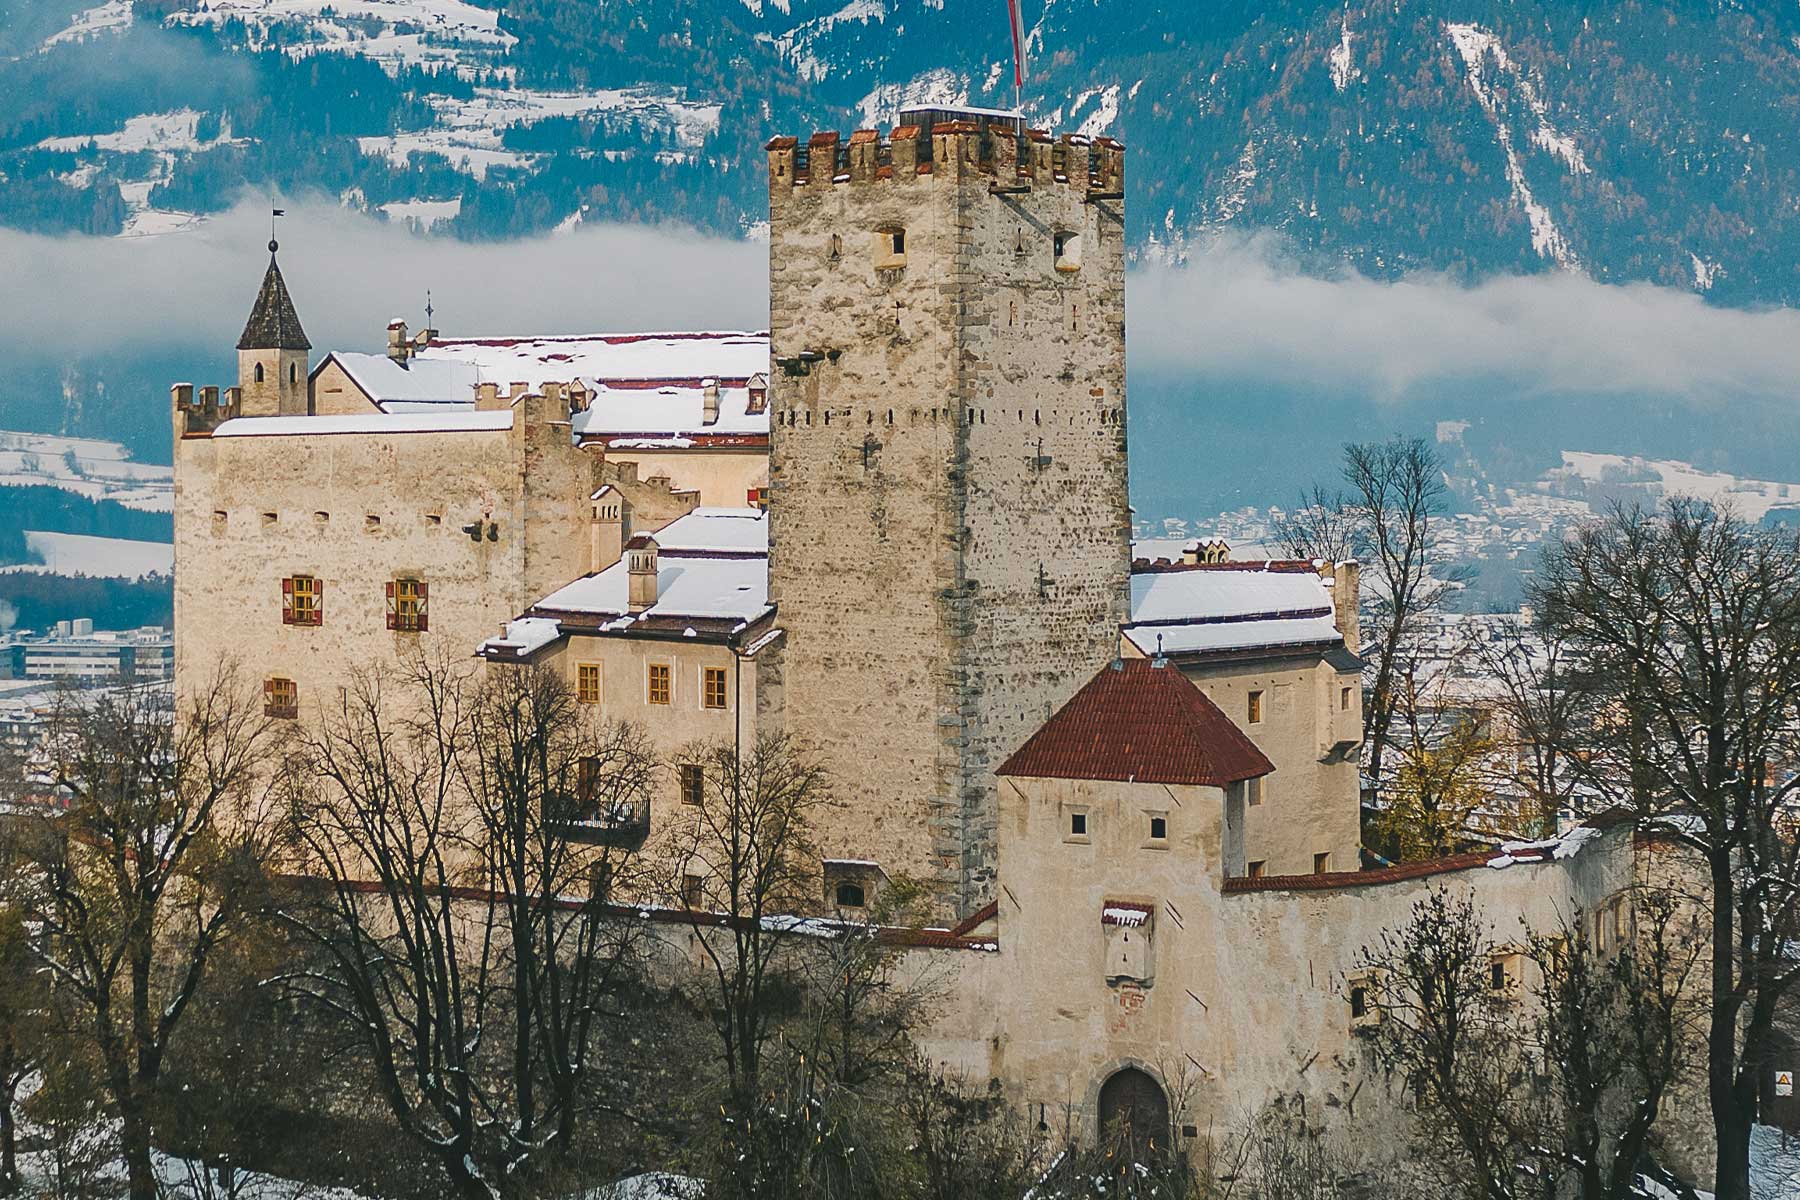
(890, 248)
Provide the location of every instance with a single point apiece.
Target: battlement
(995, 146)
(199, 417)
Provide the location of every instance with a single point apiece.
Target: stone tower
(272, 353)
(950, 530)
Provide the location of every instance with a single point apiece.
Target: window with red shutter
(406, 605)
(424, 617)
(287, 600)
(393, 616)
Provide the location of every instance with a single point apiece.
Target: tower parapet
(1012, 157)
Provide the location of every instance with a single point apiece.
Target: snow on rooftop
(421, 381)
(665, 414)
(525, 636)
(1213, 610)
(726, 530)
(607, 358)
(461, 421)
(686, 587)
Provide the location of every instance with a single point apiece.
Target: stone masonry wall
(949, 525)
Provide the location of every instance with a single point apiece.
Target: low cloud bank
(1240, 308)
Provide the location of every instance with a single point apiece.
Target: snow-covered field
(101, 557)
(87, 466)
(1750, 498)
(392, 32)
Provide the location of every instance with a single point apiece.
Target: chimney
(709, 402)
(611, 518)
(640, 569)
(399, 349)
(1345, 579)
(759, 394)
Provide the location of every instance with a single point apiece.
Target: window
(371, 522)
(693, 891)
(1254, 869)
(890, 248)
(712, 687)
(1364, 993)
(1078, 825)
(657, 684)
(1359, 1001)
(1497, 975)
(1503, 973)
(587, 683)
(257, 374)
(1159, 828)
(1253, 791)
(1068, 251)
(1255, 708)
(851, 895)
(281, 698)
(1343, 699)
(1321, 863)
(301, 597)
(693, 784)
(406, 606)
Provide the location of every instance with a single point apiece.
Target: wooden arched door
(1134, 1116)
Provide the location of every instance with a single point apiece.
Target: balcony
(623, 825)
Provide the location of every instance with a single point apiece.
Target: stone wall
(949, 525)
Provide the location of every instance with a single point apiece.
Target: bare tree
(1537, 675)
(466, 836)
(1689, 623)
(1388, 519)
(21, 1030)
(156, 860)
(744, 870)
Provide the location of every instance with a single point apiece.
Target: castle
(897, 526)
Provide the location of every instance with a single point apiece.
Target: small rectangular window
(1068, 251)
(281, 698)
(890, 248)
(1254, 869)
(657, 684)
(1253, 792)
(587, 683)
(300, 600)
(1078, 824)
(712, 687)
(693, 785)
(693, 891)
(406, 605)
(1359, 1001)
(1255, 708)
(1343, 699)
(1321, 863)
(1159, 828)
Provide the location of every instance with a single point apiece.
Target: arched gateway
(1134, 1115)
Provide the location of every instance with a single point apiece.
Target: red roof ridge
(1140, 721)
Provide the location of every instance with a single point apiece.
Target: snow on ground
(392, 32)
(425, 213)
(101, 557)
(939, 87)
(1477, 46)
(1774, 1164)
(1340, 61)
(468, 129)
(87, 466)
(160, 131)
(796, 45)
(1750, 498)
(1706, 272)
(114, 15)
(1105, 112)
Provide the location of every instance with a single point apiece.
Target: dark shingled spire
(273, 324)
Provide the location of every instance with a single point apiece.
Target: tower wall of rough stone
(949, 526)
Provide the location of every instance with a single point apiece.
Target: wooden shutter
(393, 617)
(423, 617)
(287, 600)
(318, 617)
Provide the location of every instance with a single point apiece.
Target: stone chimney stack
(399, 349)
(1345, 579)
(640, 567)
(759, 394)
(709, 402)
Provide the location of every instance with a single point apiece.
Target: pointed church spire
(273, 324)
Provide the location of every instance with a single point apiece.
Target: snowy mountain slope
(1653, 142)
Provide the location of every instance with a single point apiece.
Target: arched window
(851, 895)
(293, 372)
(258, 375)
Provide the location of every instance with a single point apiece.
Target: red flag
(1018, 36)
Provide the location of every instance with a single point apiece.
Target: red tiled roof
(1136, 721)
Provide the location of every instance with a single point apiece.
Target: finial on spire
(428, 308)
(273, 244)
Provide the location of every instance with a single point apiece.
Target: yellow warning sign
(1784, 1083)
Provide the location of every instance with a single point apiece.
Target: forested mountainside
(1651, 140)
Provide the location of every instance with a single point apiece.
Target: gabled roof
(1222, 607)
(273, 324)
(1144, 722)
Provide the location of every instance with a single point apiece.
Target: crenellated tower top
(954, 144)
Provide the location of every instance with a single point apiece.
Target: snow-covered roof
(525, 636)
(458, 421)
(607, 358)
(422, 381)
(1212, 609)
(671, 411)
(687, 587)
(718, 530)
